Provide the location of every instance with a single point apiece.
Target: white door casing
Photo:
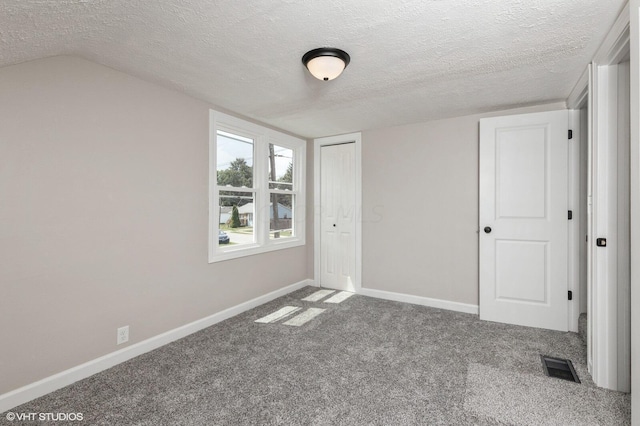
(523, 199)
(356, 139)
(609, 311)
(338, 215)
(354, 282)
(608, 319)
(634, 6)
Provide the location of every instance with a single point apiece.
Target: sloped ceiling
(411, 60)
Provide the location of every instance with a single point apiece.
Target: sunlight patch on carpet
(279, 314)
(318, 295)
(304, 317)
(340, 297)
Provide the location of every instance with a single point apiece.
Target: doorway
(523, 219)
(337, 221)
(608, 308)
(602, 97)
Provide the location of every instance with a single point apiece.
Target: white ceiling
(411, 60)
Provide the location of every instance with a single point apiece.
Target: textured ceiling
(411, 60)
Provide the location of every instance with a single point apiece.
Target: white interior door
(338, 216)
(523, 219)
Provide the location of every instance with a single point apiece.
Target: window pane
(235, 160)
(280, 167)
(281, 216)
(237, 216)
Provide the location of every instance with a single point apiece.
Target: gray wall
(103, 212)
(420, 204)
(103, 182)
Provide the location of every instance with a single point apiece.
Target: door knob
(334, 225)
(487, 229)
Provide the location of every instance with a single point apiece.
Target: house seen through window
(257, 192)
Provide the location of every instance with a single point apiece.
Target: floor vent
(559, 368)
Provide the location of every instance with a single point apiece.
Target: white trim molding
(49, 384)
(578, 97)
(613, 48)
(317, 144)
(420, 300)
(616, 44)
(635, 209)
(597, 88)
(608, 319)
(574, 239)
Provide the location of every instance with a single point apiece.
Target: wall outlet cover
(122, 335)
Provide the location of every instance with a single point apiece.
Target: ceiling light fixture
(326, 63)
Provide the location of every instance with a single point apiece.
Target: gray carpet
(362, 361)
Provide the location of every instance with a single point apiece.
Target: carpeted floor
(360, 361)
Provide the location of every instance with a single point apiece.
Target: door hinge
(601, 242)
(570, 215)
(570, 295)
(570, 134)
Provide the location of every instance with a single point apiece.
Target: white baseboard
(49, 384)
(419, 300)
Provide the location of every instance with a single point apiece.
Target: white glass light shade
(326, 63)
(326, 67)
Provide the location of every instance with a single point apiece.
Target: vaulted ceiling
(411, 60)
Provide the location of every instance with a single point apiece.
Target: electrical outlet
(123, 335)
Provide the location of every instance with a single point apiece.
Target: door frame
(574, 239)
(634, 13)
(317, 144)
(602, 362)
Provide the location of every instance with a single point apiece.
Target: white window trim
(262, 137)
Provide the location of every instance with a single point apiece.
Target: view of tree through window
(280, 182)
(238, 174)
(235, 162)
(235, 179)
(257, 182)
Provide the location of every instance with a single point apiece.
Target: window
(256, 189)
(281, 194)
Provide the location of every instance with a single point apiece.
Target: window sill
(228, 253)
